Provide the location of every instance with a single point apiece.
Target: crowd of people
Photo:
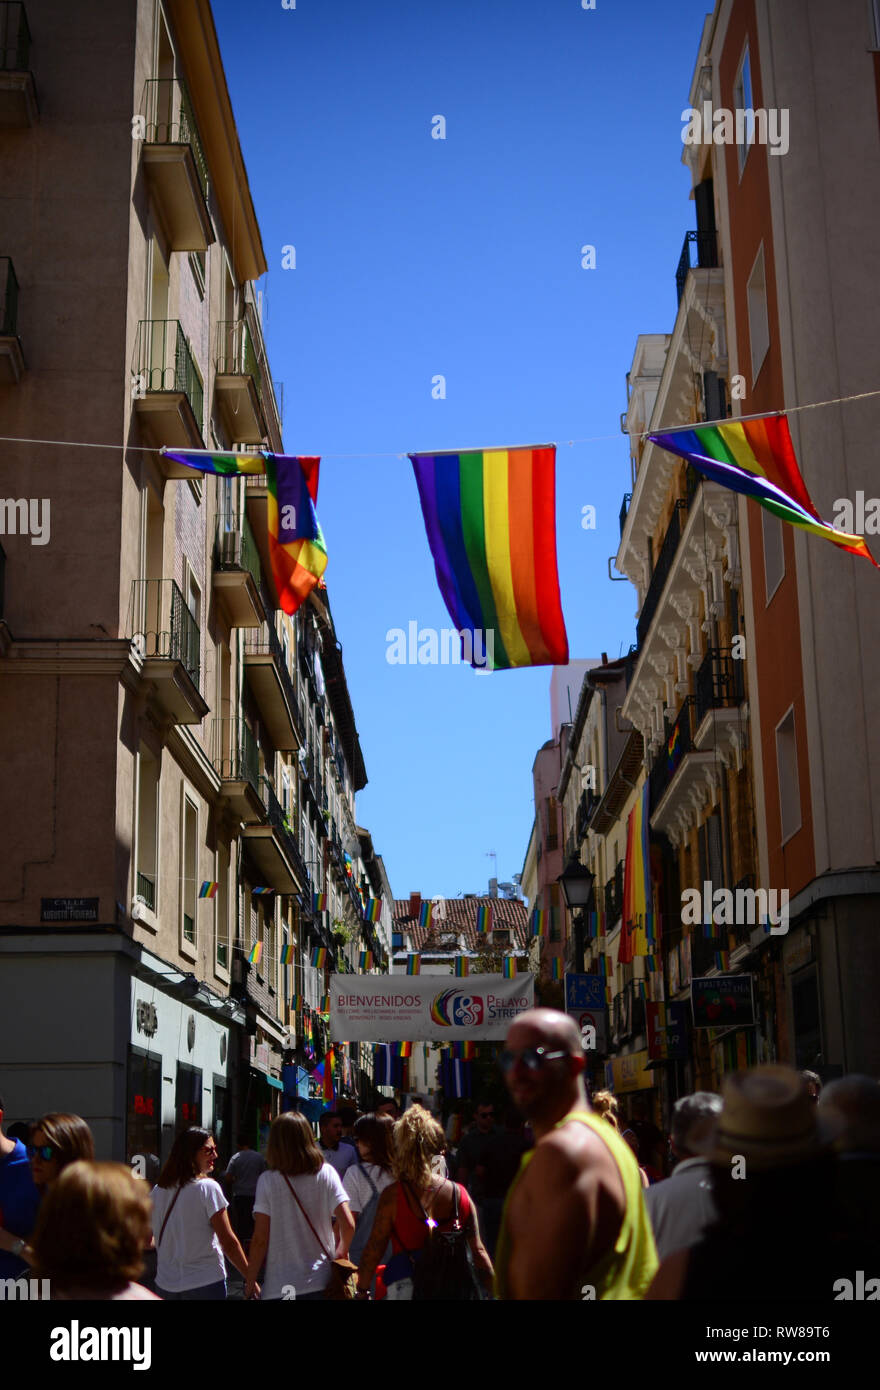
(767, 1191)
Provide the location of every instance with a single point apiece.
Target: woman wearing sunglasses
(191, 1225)
(56, 1140)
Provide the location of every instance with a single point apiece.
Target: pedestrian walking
(853, 1102)
(91, 1233)
(682, 1206)
(605, 1105)
(387, 1105)
(411, 1209)
(366, 1180)
(334, 1149)
(772, 1180)
(57, 1139)
(575, 1217)
(244, 1168)
(297, 1201)
(19, 1203)
(191, 1225)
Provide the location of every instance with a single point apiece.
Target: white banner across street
(435, 1008)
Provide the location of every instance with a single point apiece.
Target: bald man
(578, 1194)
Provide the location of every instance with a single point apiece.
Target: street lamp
(576, 882)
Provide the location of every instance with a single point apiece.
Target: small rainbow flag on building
(325, 1004)
(722, 960)
(461, 967)
(403, 1049)
(556, 971)
(508, 967)
(262, 890)
(286, 955)
(373, 909)
(413, 964)
(757, 458)
(208, 888)
(319, 902)
(297, 1003)
(490, 518)
(319, 957)
(255, 953)
(484, 918)
(539, 922)
(651, 962)
(426, 912)
(329, 1071)
(365, 960)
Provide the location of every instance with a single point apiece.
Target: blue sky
(417, 257)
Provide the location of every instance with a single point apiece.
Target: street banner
(416, 1008)
(667, 1031)
(722, 1001)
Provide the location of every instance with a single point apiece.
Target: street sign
(584, 992)
(591, 1018)
(68, 909)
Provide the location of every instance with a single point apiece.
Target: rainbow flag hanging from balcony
(404, 1049)
(426, 912)
(286, 957)
(297, 1002)
(539, 922)
(637, 891)
(484, 918)
(373, 909)
(508, 968)
(319, 902)
(757, 458)
(365, 960)
(462, 967)
(255, 953)
(556, 971)
(413, 965)
(490, 517)
(319, 957)
(262, 890)
(208, 889)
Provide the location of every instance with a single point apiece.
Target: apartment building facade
(181, 757)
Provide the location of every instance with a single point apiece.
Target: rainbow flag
(255, 953)
(539, 922)
(324, 1075)
(325, 1004)
(208, 888)
(413, 965)
(490, 517)
(286, 955)
(637, 892)
(297, 549)
(403, 1049)
(462, 967)
(319, 957)
(373, 909)
(319, 902)
(468, 1051)
(484, 918)
(757, 458)
(346, 860)
(556, 971)
(722, 960)
(508, 968)
(262, 890)
(297, 1003)
(426, 912)
(365, 960)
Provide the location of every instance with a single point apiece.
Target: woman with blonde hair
(605, 1105)
(91, 1232)
(418, 1202)
(296, 1202)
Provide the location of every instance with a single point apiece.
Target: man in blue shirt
(19, 1200)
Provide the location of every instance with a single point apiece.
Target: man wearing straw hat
(772, 1176)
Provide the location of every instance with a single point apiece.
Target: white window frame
(741, 104)
(757, 361)
(786, 833)
(771, 524)
(188, 797)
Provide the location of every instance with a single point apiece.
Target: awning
(273, 1082)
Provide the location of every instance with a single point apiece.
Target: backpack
(365, 1221)
(444, 1267)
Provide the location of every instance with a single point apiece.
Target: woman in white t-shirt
(190, 1225)
(299, 1188)
(367, 1179)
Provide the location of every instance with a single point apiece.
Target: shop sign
(630, 1073)
(722, 1001)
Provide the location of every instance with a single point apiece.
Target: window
(286, 992)
(552, 823)
(221, 908)
(806, 1018)
(759, 324)
(197, 266)
(789, 784)
(144, 1128)
(742, 101)
(189, 840)
(555, 933)
(774, 555)
(147, 858)
(187, 1097)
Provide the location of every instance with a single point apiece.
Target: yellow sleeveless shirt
(624, 1271)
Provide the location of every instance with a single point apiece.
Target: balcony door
(162, 345)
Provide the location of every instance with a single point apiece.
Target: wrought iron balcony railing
(265, 639)
(624, 508)
(169, 120)
(164, 361)
(236, 755)
(718, 683)
(665, 557)
(705, 246)
(679, 741)
(280, 822)
(145, 887)
(236, 354)
(163, 626)
(614, 897)
(235, 547)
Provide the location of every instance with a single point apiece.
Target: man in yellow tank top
(575, 1224)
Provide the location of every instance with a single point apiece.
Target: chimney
(604, 658)
(415, 904)
(493, 888)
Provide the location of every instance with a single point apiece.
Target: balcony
(256, 499)
(719, 694)
(237, 763)
(614, 897)
(586, 806)
(238, 383)
(166, 636)
(145, 889)
(18, 93)
(660, 574)
(11, 356)
(169, 396)
(680, 775)
(703, 245)
(237, 578)
(273, 848)
(266, 672)
(624, 508)
(174, 164)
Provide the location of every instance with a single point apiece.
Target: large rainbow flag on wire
(757, 458)
(490, 515)
(637, 893)
(296, 542)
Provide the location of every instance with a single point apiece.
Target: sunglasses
(44, 1151)
(532, 1058)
